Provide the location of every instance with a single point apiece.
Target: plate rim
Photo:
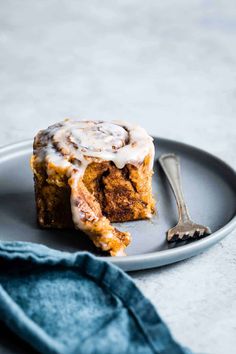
(156, 258)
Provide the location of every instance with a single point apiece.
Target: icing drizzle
(76, 143)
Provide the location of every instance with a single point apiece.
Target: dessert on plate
(88, 174)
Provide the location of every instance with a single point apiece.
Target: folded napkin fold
(74, 303)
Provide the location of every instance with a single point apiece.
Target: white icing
(85, 141)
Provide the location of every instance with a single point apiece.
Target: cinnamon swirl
(90, 173)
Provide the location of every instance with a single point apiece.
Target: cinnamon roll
(88, 174)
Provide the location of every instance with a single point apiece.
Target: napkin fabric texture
(74, 303)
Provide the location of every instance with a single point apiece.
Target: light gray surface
(168, 65)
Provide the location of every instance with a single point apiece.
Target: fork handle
(171, 166)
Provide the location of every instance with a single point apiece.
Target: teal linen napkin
(74, 303)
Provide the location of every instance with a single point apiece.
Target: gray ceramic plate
(209, 186)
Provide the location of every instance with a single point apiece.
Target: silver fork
(185, 228)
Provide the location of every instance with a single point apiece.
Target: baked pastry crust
(91, 199)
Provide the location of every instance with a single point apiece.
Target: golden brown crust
(123, 194)
(103, 194)
(52, 197)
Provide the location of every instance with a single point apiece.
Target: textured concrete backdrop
(168, 65)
